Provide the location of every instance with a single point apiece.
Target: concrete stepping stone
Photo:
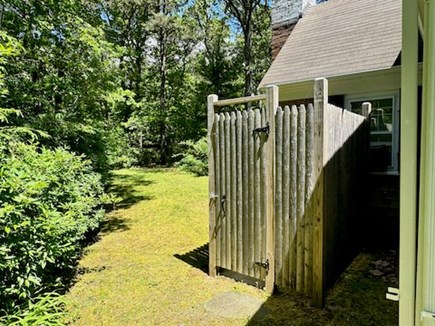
(234, 305)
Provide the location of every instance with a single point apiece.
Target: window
(383, 130)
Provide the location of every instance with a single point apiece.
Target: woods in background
(125, 82)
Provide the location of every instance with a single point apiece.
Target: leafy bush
(195, 159)
(45, 310)
(49, 200)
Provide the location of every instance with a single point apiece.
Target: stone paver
(233, 305)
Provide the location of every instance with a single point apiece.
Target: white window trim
(395, 95)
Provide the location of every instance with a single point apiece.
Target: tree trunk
(163, 103)
(247, 51)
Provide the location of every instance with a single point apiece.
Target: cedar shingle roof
(340, 37)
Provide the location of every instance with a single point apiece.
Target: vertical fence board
(286, 199)
(252, 156)
(272, 106)
(278, 196)
(227, 172)
(222, 204)
(293, 194)
(245, 180)
(300, 199)
(257, 194)
(263, 194)
(309, 189)
(239, 189)
(218, 230)
(233, 192)
(320, 101)
(211, 126)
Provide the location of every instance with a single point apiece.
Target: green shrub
(49, 200)
(45, 310)
(195, 159)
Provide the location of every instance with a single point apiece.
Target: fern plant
(195, 158)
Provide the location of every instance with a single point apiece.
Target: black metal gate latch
(265, 265)
(223, 202)
(262, 129)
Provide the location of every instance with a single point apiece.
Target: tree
(217, 62)
(173, 37)
(63, 79)
(250, 15)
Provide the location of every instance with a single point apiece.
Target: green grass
(132, 275)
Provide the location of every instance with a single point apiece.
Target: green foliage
(64, 80)
(110, 77)
(44, 310)
(195, 159)
(49, 200)
(254, 38)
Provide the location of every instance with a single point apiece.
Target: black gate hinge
(262, 129)
(265, 265)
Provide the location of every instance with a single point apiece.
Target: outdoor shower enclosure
(285, 187)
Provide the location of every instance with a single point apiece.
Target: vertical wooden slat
(251, 196)
(245, 181)
(309, 188)
(233, 174)
(331, 221)
(263, 195)
(278, 197)
(293, 195)
(239, 189)
(326, 173)
(271, 105)
(227, 173)
(300, 199)
(212, 184)
(218, 231)
(257, 194)
(320, 101)
(222, 204)
(286, 199)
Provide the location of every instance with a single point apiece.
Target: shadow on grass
(124, 187)
(125, 190)
(197, 258)
(114, 224)
(289, 308)
(357, 298)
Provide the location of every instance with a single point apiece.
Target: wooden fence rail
(284, 184)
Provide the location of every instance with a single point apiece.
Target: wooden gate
(241, 152)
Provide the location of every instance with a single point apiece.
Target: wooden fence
(283, 187)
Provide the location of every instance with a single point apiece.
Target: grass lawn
(135, 274)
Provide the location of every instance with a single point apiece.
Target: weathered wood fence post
(366, 109)
(320, 150)
(211, 184)
(271, 107)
